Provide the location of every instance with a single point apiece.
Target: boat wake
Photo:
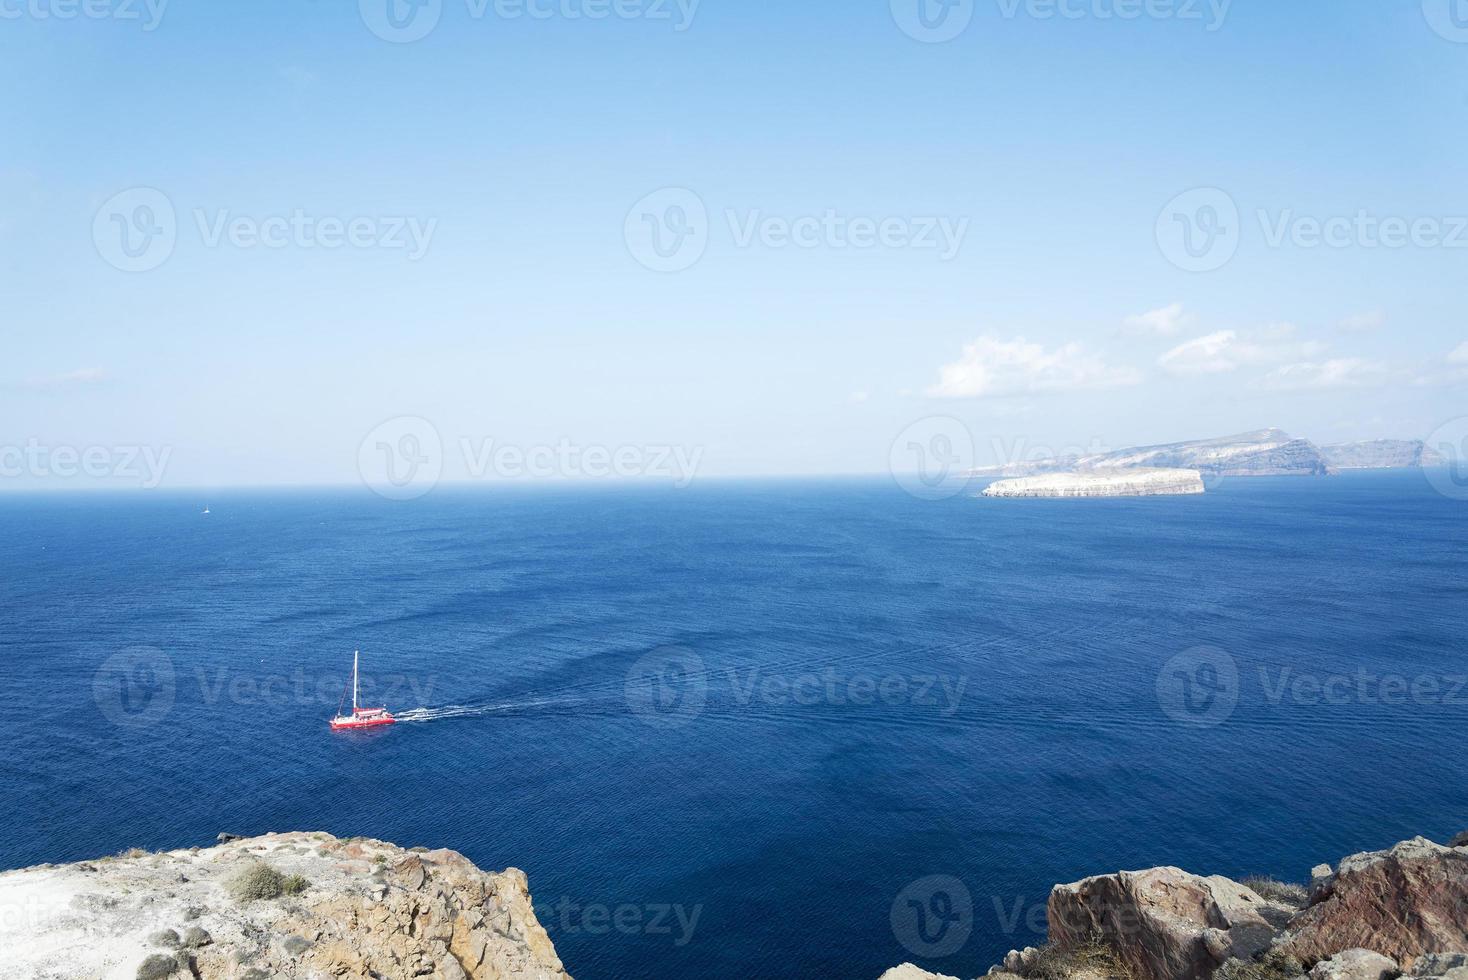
(447, 712)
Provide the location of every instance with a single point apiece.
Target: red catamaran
(360, 717)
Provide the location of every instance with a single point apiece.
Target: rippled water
(748, 729)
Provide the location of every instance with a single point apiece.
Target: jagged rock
(1322, 883)
(226, 838)
(909, 972)
(1438, 964)
(1356, 964)
(165, 937)
(1460, 840)
(1164, 923)
(1402, 902)
(438, 917)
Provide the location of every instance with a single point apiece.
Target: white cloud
(1460, 355)
(1160, 323)
(1341, 372)
(1364, 322)
(857, 397)
(993, 367)
(1228, 350)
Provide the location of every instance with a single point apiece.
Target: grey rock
(1438, 964)
(1356, 964)
(1460, 840)
(296, 945)
(164, 937)
(1322, 883)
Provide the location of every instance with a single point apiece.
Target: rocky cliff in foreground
(1381, 915)
(298, 905)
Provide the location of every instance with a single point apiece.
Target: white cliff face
(1102, 483)
(365, 908)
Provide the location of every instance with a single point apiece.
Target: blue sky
(500, 173)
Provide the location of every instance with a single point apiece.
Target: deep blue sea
(734, 730)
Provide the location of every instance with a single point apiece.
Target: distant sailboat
(360, 717)
(206, 509)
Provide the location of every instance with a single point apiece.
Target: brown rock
(1164, 923)
(1402, 902)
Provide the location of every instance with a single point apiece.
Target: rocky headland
(1382, 454)
(1380, 915)
(296, 905)
(1102, 483)
(1266, 452)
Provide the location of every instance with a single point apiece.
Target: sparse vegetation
(1278, 891)
(157, 967)
(257, 882)
(294, 885)
(1093, 958)
(133, 852)
(1270, 966)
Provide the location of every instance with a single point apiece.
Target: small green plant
(132, 852)
(258, 881)
(294, 885)
(1277, 891)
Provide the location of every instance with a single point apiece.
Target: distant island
(1133, 472)
(1102, 483)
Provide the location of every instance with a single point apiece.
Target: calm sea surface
(780, 729)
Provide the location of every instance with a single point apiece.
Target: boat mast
(355, 655)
